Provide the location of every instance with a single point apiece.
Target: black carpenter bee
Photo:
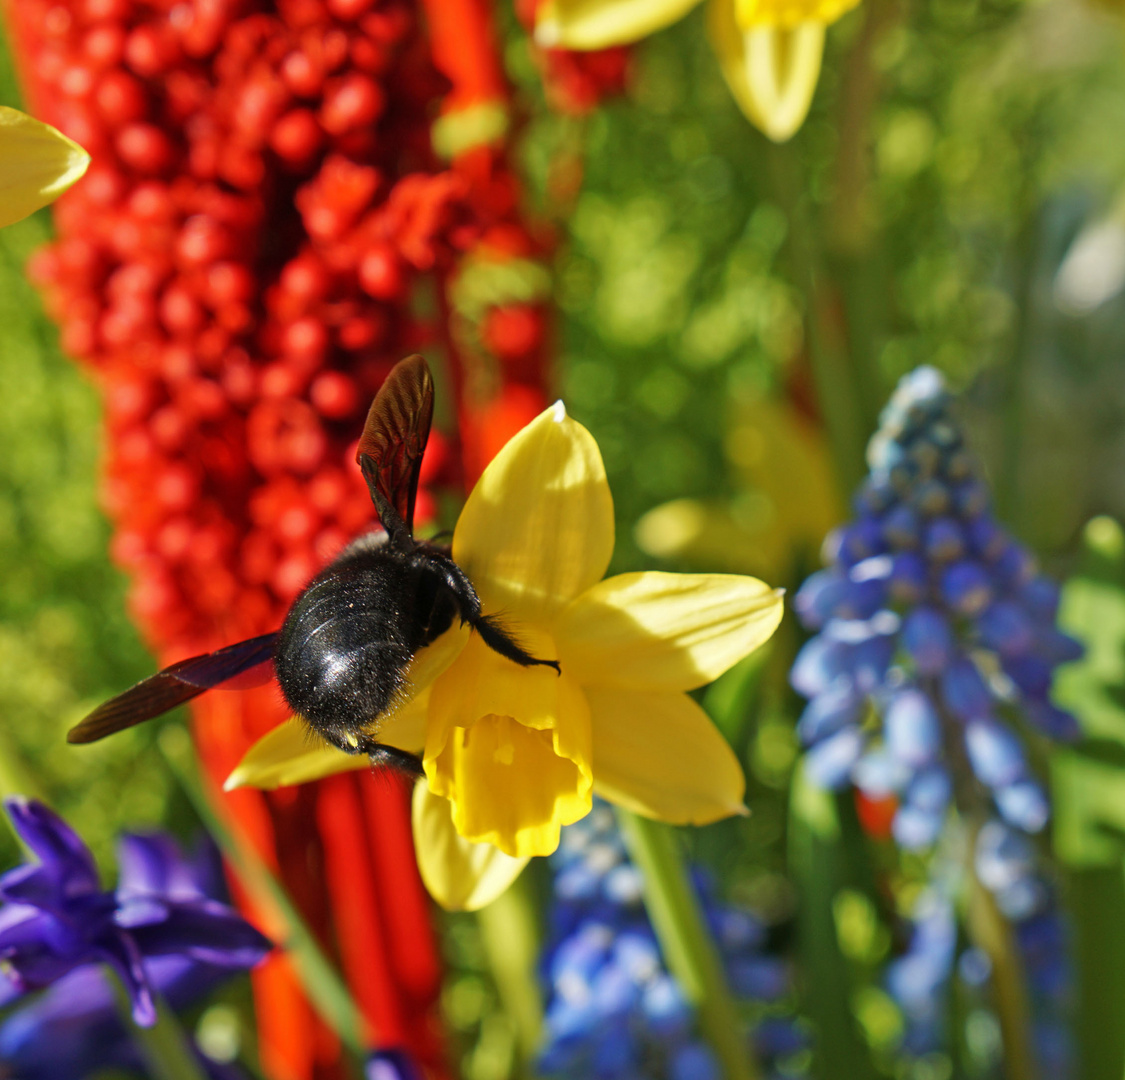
(341, 655)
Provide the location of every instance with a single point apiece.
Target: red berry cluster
(239, 267)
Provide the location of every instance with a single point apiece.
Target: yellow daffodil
(787, 502)
(37, 164)
(769, 50)
(511, 754)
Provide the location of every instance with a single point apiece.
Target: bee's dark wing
(173, 686)
(394, 437)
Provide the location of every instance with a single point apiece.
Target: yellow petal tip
(236, 780)
(558, 411)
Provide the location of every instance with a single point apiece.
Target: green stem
(326, 990)
(837, 388)
(824, 853)
(510, 935)
(993, 935)
(687, 946)
(165, 1047)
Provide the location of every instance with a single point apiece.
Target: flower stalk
(510, 935)
(688, 949)
(992, 934)
(165, 1046)
(325, 988)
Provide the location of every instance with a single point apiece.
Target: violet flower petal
(59, 848)
(207, 931)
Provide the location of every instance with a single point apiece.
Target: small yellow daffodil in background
(786, 503)
(511, 754)
(37, 164)
(769, 50)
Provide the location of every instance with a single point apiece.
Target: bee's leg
(499, 640)
(398, 532)
(492, 633)
(390, 757)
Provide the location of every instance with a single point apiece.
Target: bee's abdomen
(347, 641)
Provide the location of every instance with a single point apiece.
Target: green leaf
(823, 860)
(1088, 789)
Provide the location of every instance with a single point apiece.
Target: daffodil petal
(772, 70)
(459, 875)
(293, 754)
(37, 164)
(656, 631)
(290, 754)
(660, 755)
(537, 529)
(598, 24)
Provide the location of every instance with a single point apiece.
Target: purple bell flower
(56, 917)
(74, 1029)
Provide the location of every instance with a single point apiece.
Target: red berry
(305, 277)
(229, 282)
(180, 311)
(328, 490)
(363, 331)
(114, 11)
(351, 102)
(295, 524)
(329, 543)
(202, 241)
(293, 574)
(170, 428)
(104, 45)
(381, 273)
(302, 74)
(258, 557)
(297, 137)
(150, 50)
(76, 80)
(305, 340)
(334, 394)
(145, 147)
(177, 487)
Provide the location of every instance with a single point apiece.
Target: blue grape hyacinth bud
(935, 637)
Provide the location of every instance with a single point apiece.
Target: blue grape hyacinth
(937, 955)
(934, 633)
(56, 918)
(614, 1011)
